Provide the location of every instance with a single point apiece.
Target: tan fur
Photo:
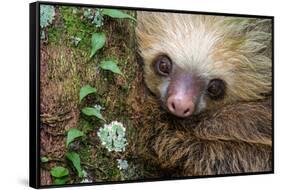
(228, 136)
(234, 49)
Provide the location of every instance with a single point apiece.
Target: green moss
(70, 24)
(85, 154)
(85, 125)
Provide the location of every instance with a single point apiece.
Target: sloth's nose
(180, 105)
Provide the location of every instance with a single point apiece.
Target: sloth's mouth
(187, 123)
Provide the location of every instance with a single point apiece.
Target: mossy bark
(65, 68)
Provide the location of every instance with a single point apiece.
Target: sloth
(210, 77)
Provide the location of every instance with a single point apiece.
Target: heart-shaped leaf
(59, 171)
(72, 134)
(92, 112)
(98, 41)
(114, 13)
(86, 90)
(75, 159)
(111, 66)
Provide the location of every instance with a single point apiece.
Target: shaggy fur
(232, 135)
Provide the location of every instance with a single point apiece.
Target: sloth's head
(195, 63)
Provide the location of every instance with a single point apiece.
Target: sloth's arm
(248, 122)
(195, 156)
(236, 139)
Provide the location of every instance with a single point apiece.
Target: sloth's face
(199, 63)
(182, 92)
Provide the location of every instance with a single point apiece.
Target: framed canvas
(121, 94)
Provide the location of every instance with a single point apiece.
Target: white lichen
(75, 40)
(98, 19)
(47, 15)
(122, 164)
(86, 178)
(88, 14)
(95, 16)
(98, 107)
(112, 136)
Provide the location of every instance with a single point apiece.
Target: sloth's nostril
(186, 111)
(173, 106)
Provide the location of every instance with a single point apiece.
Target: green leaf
(111, 66)
(44, 159)
(92, 112)
(60, 181)
(86, 90)
(59, 171)
(116, 14)
(72, 134)
(75, 159)
(98, 41)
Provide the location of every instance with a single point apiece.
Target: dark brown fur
(234, 139)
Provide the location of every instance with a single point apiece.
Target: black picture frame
(34, 90)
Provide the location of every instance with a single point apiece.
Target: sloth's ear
(139, 59)
(140, 62)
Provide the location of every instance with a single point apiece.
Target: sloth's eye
(216, 89)
(163, 65)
